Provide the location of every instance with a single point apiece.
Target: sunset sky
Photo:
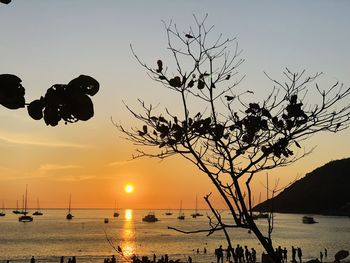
(49, 42)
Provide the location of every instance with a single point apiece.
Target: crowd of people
(242, 254)
(161, 259)
(239, 254)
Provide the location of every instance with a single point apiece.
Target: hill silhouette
(325, 190)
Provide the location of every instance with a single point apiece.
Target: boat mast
(22, 203)
(70, 199)
(25, 201)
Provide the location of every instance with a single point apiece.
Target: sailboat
(2, 213)
(25, 217)
(181, 214)
(115, 214)
(168, 213)
(16, 211)
(69, 216)
(38, 212)
(195, 214)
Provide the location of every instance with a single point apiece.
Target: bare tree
(232, 139)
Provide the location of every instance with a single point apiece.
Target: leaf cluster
(68, 102)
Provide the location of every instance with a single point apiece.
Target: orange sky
(53, 43)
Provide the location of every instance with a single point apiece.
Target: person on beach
(253, 255)
(154, 257)
(62, 259)
(189, 259)
(228, 253)
(321, 256)
(280, 253)
(113, 259)
(247, 254)
(285, 251)
(205, 250)
(293, 254)
(239, 253)
(32, 260)
(219, 254)
(325, 252)
(300, 253)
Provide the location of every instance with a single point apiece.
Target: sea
(90, 239)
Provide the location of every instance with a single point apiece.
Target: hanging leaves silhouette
(69, 102)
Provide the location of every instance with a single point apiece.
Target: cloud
(75, 178)
(27, 141)
(54, 167)
(118, 163)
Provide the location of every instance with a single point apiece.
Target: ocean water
(51, 236)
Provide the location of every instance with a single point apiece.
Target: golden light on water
(128, 214)
(128, 244)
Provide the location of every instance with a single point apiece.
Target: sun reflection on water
(128, 244)
(128, 214)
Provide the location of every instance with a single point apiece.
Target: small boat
(259, 215)
(38, 212)
(25, 218)
(308, 220)
(195, 214)
(263, 215)
(115, 214)
(151, 217)
(69, 216)
(2, 213)
(181, 214)
(168, 213)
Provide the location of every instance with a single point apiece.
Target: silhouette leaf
(84, 84)
(82, 107)
(144, 128)
(201, 84)
(229, 98)
(160, 66)
(35, 109)
(189, 36)
(5, 1)
(175, 82)
(11, 91)
(51, 116)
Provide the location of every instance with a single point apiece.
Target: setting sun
(129, 188)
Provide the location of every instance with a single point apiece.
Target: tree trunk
(264, 242)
